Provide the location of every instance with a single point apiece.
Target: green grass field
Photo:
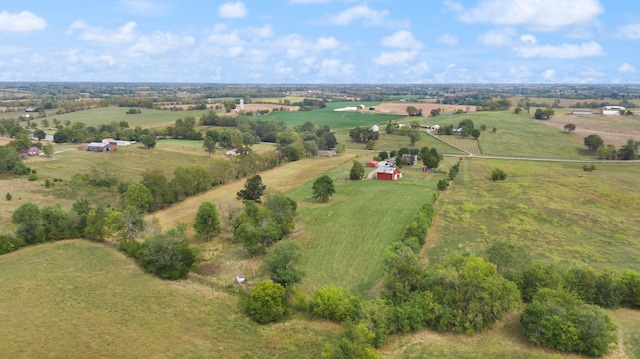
(77, 299)
(344, 239)
(566, 215)
(106, 115)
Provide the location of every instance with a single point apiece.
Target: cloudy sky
(321, 41)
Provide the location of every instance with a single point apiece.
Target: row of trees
(595, 144)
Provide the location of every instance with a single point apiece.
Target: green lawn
(344, 239)
(78, 299)
(564, 214)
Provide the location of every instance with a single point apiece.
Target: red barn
(388, 173)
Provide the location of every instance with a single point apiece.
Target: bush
(334, 303)
(131, 248)
(9, 243)
(498, 175)
(267, 302)
(167, 255)
(559, 320)
(33, 177)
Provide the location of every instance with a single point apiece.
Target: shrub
(9, 243)
(443, 184)
(498, 175)
(167, 255)
(267, 302)
(559, 320)
(131, 248)
(334, 303)
(33, 177)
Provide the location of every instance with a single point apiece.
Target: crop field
(78, 299)
(344, 239)
(564, 214)
(468, 144)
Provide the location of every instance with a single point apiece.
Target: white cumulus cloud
(528, 39)
(124, 34)
(626, 68)
(564, 51)
(402, 39)
(542, 14)
(359, 12)
(161, 42)
(394, 57)
(21, 22)
(497, 38)
(232, 10)
(631, 32)
(548, 74)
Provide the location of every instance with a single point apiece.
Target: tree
(48, 149)
(207, 220)
(149, 141)
(413, 111)
(267, 302)
(628, 151)
(138, 196)
(40, 134)
(161, 192)
(10, 162)
(280, 263)
(593, 142)
(475, 133)
(253, 190)
(29, 220)
(498, 175)
(545, 114)
(209, 145)
(167, 254)
(323, 188)
(357, 171)
(8, 197)
(414, 136)
(443, 184)
(435, 112)
(570, 127)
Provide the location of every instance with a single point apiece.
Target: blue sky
(321, 41)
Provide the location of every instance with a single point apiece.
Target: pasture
(105, 115)
(564, 214)
(78, 299)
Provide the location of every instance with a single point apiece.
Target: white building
(612, 110)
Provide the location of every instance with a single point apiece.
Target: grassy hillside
(106, 115)
(563, 213)
(77, 299)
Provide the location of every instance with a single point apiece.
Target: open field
(344, 239)
(78, 299)
(612, 129)
(105, 115)
(565, 215)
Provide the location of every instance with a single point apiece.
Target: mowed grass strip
(344, 239)
(564, 214)
(78, 299)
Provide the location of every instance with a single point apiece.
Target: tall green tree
(209, 145)
(29, 220)
(593, 142)
(280, 263)
(357, 170)
(253, 190)
(323, 188)
(138, 196)
(207, 221)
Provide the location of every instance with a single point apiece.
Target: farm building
(116, 142)
(100, 147)
(612, 110)
(372, 164)
(326, 153)
(388, 173)
(410, 159)
(33, 151)
(582, 112)
(435, 127)
(375, 128)
(232, 152)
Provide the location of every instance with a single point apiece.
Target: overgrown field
(77, 299)
(564, 214)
